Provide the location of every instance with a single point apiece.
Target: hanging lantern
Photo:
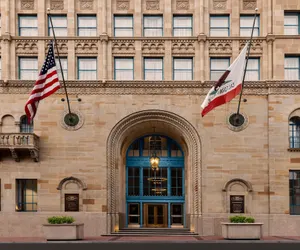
(154, 161)
(154, 145)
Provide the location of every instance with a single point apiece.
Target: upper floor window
(87, 68)
(183, 69)
(28, 68)
(294, 132)
(24, 126)
(153, 69)
(153, 25)
(59, 24)
(294, 186)
(86, 25)
(123, 26)
(253, 70)
(64, 64)
(26, 195)
(28, 25)
(124, 68)
(219, 25)
(246, 24)
(182, 25)
(291, 23)
(292, 68)
(217, 67)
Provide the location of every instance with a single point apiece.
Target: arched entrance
(155, 197)
(140, 124)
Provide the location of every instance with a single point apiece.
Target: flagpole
(61, 70)
(245, 70)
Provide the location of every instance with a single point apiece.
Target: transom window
(153, 68)
(28, 25)
(292, 68)
(87, 25)
(60, 25)
(123, 26)
(217, 67)
(291, 23)
(219, 25)
(183, 69)
(246, 23)
(28, 68)
(153, 25)
(294, 187)
(183, 25)
(294, 131)
(124, 68)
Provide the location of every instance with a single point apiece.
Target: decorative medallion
(27, 4)
(152, 5)
(219, 4)
(57, 4)
(237, 122)
(73, 121)
(182, 5)
(249, 4)
(122, 4)
(86, 4)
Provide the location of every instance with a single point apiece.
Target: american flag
(46, 84)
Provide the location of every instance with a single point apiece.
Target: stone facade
(90, 159)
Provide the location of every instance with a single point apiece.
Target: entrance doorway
(156, 215)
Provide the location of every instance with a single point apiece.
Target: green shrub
(241, 219)
(61, 220)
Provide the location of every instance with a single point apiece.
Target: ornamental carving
(256, 46)
(27, 4)
(182, 5)
(26, 46)
(152, 4)
(86, 4)
(183, 47)
(72, 128)
(123, 46)
(219, 4)
(86, 46)
(220, 46)
(123, 4)
(61, 44)
(249, 4)
(57, 4)
(153, 47)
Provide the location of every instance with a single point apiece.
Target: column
(167, 18)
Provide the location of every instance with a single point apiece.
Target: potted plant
(63, 228)
(242, 227)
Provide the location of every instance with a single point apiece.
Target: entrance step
(154, 232)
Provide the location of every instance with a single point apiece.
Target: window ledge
(294, 149)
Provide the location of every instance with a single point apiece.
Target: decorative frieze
(152, 4)
(62, 45)
(220, 47)
(249, 4)
(183, 46)
(256, 46)
(27, 4)
(153, 46)
(123, 4)
(182, 5)
(123, 46)
(86, 4)
(26, 46)
(219, 4)
(86, 46)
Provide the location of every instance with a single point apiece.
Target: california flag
(228, 86)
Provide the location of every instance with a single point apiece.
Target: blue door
(155, 197)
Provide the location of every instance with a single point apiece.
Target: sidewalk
(189, 239)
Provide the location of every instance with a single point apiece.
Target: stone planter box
(73, 231)
(249, 231)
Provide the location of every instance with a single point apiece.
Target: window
(153, 69)
(182, 25)
(64, 64)
(253, 70)
(0, 68)
(28, 68)
(294, 132)
(176, 182)
(292, 68)
(123, 26)
(291, 23)
(219, 25)
(183, 69)
(24, 126)
(28, 25)
(133, 181)
(87, 25)
(59, 24)
(294, 187)
(26, 195)
(124, 68)
(153, 26)
(87, 68)
(246, 24)
(217, 67)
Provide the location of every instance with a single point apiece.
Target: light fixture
(154, 161)
(154, 144)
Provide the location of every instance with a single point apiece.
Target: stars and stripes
(46, 84)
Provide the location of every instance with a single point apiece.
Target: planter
(73, 231)
(249, 231)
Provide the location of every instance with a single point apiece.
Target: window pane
(87, 64)
(152, 32)
(219, 63)
(123, 32)
(64, 64)
(247, 21)
(219, 32)
(123, 21)
(87, 32)
(291, 74)
(28, 63)
(124, 75)
(291, 30)
(252, 76)
(59, 21)
(247, 32)
(291, 62)
(183, 21)
(215, 75)
(183, 64)
(253, 64)
(155, 63)
(291, 20)
(87, 75)
(124, 63)
(28, 21)
(183, 75)
(220, 21)
(182, 32)
(59, 32)
(87, 21)
(153, 75)
(28, 32)
(153, 21)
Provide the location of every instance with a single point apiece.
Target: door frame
(165, 215)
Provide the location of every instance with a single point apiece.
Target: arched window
(294, 130)
(24, 126)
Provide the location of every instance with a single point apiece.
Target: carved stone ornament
(217, 46)
(86, 46)
(237, 128)
(72, 128)
(27, 4)
(26, 47)
(249, 4)
(57, 4)
(152, 4)
(153, 47)
(182, 5)
(219, 4)
(123, 4)
(123, 46)
(86, 4)
(256, 46)
(61, 44)
(183, 47)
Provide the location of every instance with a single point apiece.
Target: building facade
(137, 72)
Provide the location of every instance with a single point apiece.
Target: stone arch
(230, 184)
(293, 125)
(136, 125)
(72, 179)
